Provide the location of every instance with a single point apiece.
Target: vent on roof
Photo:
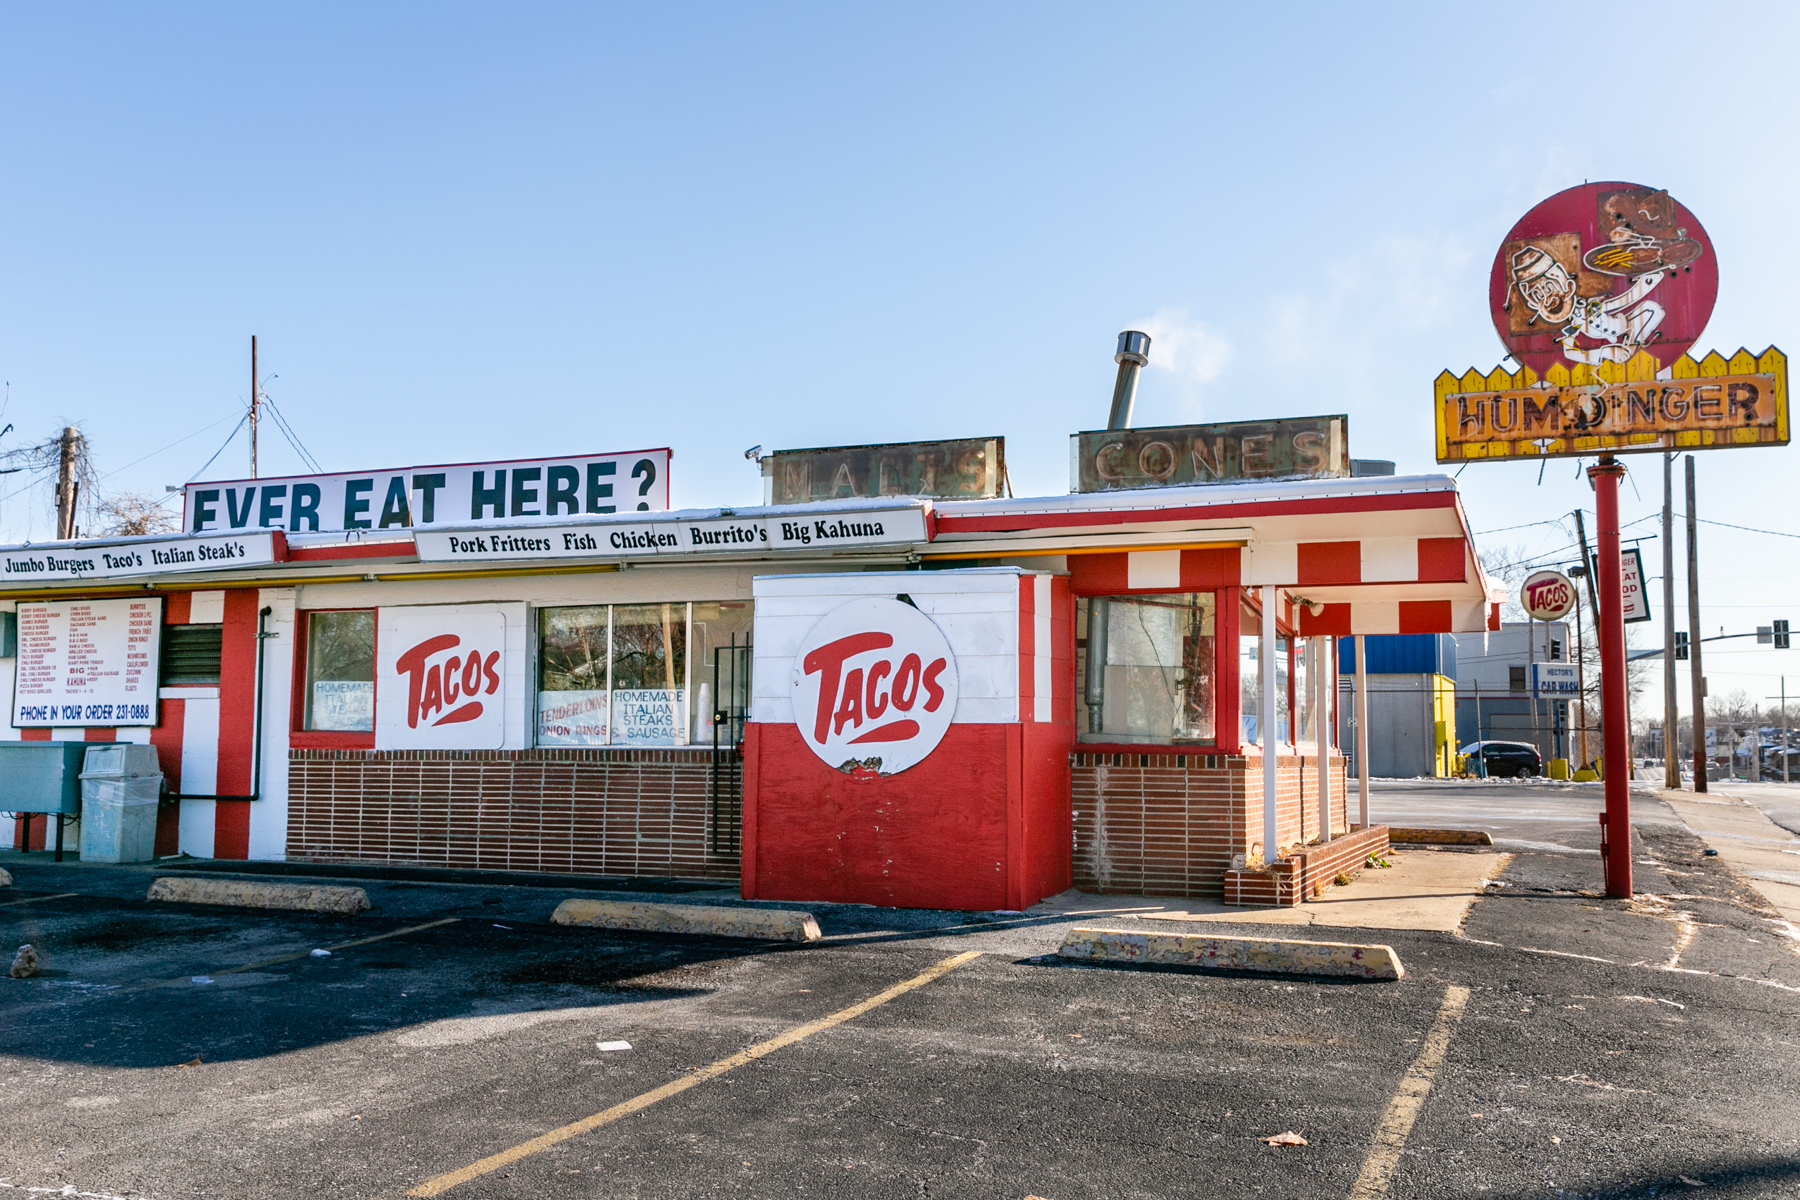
(191, 653)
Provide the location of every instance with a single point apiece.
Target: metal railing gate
(731, 708)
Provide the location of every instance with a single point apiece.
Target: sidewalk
(1727, 819)
(1424, 889)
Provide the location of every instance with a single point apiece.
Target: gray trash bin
(120, 789)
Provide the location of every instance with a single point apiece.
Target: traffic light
(1781, 635)
(1681, 645)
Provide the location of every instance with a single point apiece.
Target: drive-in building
(888, 699)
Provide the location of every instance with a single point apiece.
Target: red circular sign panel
(1598, 272)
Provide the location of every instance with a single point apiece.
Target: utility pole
(1695, 673)
(254, 397)
(68, 491)
(1671, 707)
(1530, 670)
(1581, 683)
(1588, 565)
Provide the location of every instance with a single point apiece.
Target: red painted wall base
(982, 824)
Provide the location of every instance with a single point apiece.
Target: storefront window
(1250, 680)
(649, 675)
(574, 688)
(1157, 683)
(625, 674)
(340, 671)
(721, 641)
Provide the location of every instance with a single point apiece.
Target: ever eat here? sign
(410, 497)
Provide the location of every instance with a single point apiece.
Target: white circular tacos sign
(1547, 596)
(874, 687)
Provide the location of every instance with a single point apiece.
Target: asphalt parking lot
(1607, 1049)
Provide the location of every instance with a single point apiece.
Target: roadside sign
(1547, 596)
(1555, 681)
(1598, 272)
(1631, 585)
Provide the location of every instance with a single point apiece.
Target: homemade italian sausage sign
(439, 678)
(87, 662)
(874, 687)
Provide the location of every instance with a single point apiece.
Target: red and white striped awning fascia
(1387, 555)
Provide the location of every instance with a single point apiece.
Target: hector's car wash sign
(439, 678)
(874, 687)
(409, 497)
(1298, 447)
(87, 662)
(895, 524)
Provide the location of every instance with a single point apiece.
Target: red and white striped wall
(206, 735)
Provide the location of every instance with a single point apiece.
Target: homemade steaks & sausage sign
(874, 687)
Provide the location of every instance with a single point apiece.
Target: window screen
(191, 653)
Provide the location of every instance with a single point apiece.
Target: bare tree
(1510, 565)
(133, 514)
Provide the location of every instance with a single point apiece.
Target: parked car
(1505, 759)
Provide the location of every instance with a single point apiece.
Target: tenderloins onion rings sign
(874, 687)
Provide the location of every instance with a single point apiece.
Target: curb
(769, 924)
(1441, 837)
(244, 893)
(1276, 955)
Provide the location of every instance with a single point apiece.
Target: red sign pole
(1615, 846)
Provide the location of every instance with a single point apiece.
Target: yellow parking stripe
(271, 962)
(35, 899)
(443, 1183)
(1397, 1122)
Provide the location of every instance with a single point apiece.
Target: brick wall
(1304, 874)
(642, 813)
(1170, 824)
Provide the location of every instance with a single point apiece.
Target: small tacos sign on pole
(1599, 293)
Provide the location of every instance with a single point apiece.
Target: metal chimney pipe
(1133, 355)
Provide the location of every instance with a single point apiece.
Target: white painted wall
(269, 816)
(978, 610)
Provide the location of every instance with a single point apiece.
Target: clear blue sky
(468, 232)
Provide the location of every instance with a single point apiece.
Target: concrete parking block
(769, 924)
(1279, 955)
(248, 893)
(1441, 837)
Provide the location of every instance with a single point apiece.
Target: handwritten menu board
(87, 662)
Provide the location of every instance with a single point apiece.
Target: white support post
(1322, 667)
(1265, 721)
(1362, 729)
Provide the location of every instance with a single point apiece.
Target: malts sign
(413, 497)
(874, 687)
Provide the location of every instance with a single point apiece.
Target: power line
(221, 449)
(293, 438)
